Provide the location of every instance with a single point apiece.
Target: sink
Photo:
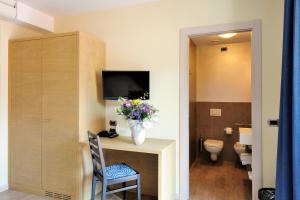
(245, 136)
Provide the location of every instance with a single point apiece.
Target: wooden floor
(208, 181)
(219, 181)
(14, 195)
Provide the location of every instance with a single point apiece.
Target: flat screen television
(126, 84)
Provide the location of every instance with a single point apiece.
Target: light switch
(216, 112)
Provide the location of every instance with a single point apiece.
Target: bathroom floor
(219, 181)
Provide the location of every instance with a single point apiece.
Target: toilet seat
(239, 145)
(214, 147)
(214, 143)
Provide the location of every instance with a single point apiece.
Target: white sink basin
(245, 136)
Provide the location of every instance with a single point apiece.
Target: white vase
(138, 132)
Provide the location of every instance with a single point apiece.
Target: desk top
(124, 143)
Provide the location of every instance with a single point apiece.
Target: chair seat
(119, 170)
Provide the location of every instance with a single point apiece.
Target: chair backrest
(97, 154)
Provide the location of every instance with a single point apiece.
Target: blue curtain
(288, 153)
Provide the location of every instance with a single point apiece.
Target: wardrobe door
(60, 114)
(25, 114)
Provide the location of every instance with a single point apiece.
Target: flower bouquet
(140, 116)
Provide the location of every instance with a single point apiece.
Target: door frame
(256, 84)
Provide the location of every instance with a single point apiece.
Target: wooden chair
(112, 174)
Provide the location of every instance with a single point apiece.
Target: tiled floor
(14, 195)
(219, 181)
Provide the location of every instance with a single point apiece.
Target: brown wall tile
(210, 127)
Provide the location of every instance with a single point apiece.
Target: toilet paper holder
(228, 130)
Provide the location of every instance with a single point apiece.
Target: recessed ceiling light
(227, 35)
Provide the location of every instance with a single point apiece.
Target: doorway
(255, 28)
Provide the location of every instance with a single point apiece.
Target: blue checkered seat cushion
(119, 170)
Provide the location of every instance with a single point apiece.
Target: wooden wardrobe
(54, 99)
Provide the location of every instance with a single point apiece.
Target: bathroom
(219, 109)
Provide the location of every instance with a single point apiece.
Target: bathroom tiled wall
(213, 127)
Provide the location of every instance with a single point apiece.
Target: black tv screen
(126, 84)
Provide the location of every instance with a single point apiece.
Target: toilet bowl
(214, 147)
(239, 148)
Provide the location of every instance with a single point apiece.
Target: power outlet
(215, 112)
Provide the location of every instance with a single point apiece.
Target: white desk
(156, 157)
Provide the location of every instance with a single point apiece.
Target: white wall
(224, 76)
(146, 37)
(7, 30)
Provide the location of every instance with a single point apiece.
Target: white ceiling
(65, 7)
(215, 39)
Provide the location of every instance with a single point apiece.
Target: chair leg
(138, 192)
(103, 195)
(94, 183)
(124, 192)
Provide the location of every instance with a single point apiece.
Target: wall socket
(215, 112)
(273, 122)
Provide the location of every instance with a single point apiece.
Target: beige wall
(8, 30)
(146, 37)
(224, 76)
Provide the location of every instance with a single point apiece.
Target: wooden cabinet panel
(45, 115)
(25, 113)
(60, 114)
(60, 53)
(27, 154)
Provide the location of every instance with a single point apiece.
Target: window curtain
(288, 152)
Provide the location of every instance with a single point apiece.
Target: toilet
(214, 147)
(239, 148)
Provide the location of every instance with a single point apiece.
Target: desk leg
(167, 173)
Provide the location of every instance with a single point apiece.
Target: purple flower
(136, 111)
(127, 104)
(135, 114)
(145, 108)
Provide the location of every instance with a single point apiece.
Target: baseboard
(193, 164)
(3, 188)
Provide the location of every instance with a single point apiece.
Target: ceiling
(215, 39)
(66, 7)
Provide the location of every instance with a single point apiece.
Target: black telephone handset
(108, 134)
(112, 133)
(103, 134)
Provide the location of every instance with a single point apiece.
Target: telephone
(103, 134)
(112, 133)
(108, 134)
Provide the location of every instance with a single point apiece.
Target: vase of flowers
(138, 132)
(140, 116)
